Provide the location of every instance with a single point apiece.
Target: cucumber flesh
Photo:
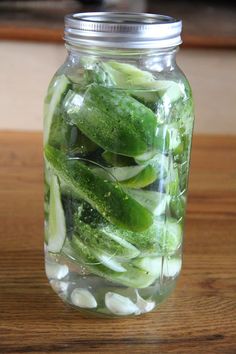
(173, 92)
(72, 100)
(108, 261)
(60, 86)
(128, 76)
(142, 84)
(146, 156)
(125, 173)
(137, 178)
(152, 265)
(130, 176)
(143, 179)
(108, 242)
(56, 222)
(156, 202)
(172, 237)
(177, 206)
(157, 266)
(158, 161)
(172, 183)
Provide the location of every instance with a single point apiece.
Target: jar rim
(123, 30)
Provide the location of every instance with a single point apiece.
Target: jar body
(117, 140)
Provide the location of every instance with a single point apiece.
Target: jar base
(94, 296)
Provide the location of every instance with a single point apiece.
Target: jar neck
(155, 59)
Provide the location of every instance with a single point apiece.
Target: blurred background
(32, 48)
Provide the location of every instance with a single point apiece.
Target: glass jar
(117, 139)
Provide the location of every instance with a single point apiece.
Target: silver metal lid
(122, 30)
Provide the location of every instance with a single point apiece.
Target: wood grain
(205, 25)
(200, 317)
(37, 34)
(55, 35)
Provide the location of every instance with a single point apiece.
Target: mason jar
(117, 138)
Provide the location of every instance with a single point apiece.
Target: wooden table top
(205, 25)
(200, 316)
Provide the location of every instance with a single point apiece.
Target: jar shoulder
(114, 71)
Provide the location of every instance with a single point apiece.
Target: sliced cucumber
(145, 176)
(128, 76)
(157, 95)
(177, 206)
(72, 99)
(65, 136)
(171, 239)
(56, 221)
(96, 73)
(47, 173)
(154, 201)
(139, 273)
(173, 92)
(157, 266)
(108, 261)
(130, 176)
(81, 254)
(162, 238)
(117, 160)
(152, 265)
(108, 242)
(107, 197)
(145, 242)
(168, 139)
(172, 182)
(125, 173)
(174, 139)
(142, 84)
(59, 88)
(146, 156)
(114, 121)
(158, 161)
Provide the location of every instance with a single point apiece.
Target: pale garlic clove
(59, 286)
(83, 298)
(56, 271)
(119, 304)
(143, 305)
(172, 267)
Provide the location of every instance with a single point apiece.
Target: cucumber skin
(97, 239)
(69, 138)
(144, 175)
(133, 277)
(157, 240)
(117, 160)
(108, 198)
(147, 176)
(115, 121)
(177, 206)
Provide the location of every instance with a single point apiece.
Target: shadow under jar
(117, 138)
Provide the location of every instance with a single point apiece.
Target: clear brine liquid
(67, 278)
